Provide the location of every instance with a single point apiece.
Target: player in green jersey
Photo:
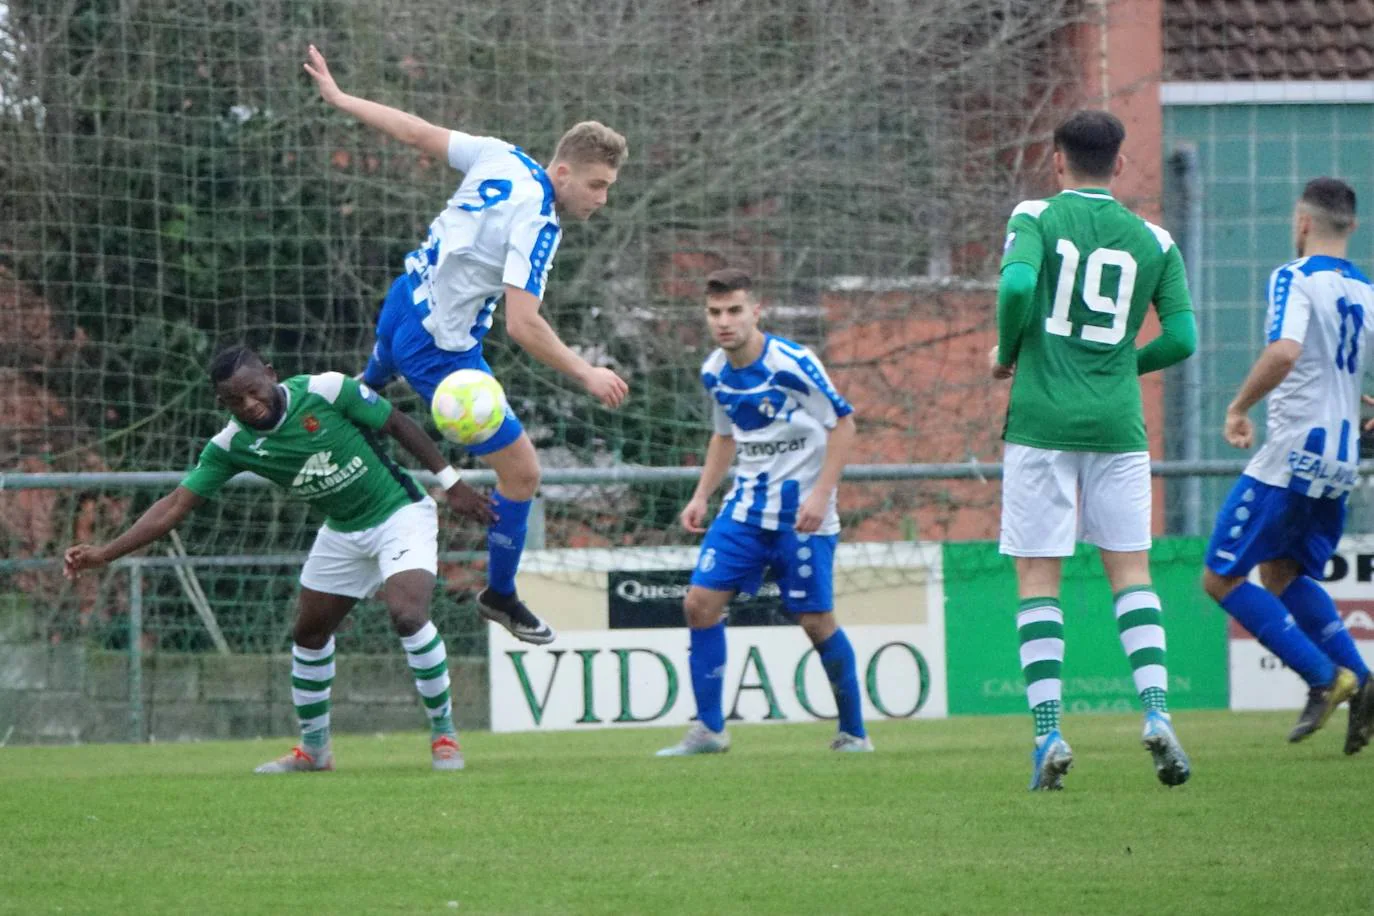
(316, 437)
(1078, 275)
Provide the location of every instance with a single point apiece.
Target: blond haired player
(494, 240)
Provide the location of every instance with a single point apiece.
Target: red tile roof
(1268, 40)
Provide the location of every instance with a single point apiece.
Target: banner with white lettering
(985, 676)
(1259, 680)
(608, 678)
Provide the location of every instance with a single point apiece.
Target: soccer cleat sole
(1361, 723)
(852, 745)
(291, 763)
(1051, 775)
(693, 745)
(446, 755)
(1345, 687)
(1171, 766)
(680, 752)
(502, 619)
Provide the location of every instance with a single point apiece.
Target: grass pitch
(937, 821)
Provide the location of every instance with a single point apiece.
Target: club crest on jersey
(311, 424)
(753, 410)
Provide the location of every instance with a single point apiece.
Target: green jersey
(1099, 268)
(323, 451)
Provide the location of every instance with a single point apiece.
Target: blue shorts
(734, 557)
(406, 349)
(1259, 522)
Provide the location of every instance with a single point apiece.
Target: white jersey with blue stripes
(1312, 437)
(499, 228)
(779, 409)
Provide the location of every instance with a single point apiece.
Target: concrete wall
(66, 694)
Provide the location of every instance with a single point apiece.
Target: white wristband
(447, 477)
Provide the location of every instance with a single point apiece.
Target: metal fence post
(1190, 424)
(136, 650)
(534, 532)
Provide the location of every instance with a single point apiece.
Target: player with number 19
(1079, 274)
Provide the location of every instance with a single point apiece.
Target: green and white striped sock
(1040, 627)
(312, 674)
(429, 662)
(1140, 621)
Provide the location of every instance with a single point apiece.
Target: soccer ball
(469, 407)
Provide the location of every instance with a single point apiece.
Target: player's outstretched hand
(319, 70)
(607, 387)
(1368, 402)
(693, 517)
(1239, 431)
(468, 503)
(80, 558)
(811, 513)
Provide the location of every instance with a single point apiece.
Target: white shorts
(1052, 499)
(357, 563)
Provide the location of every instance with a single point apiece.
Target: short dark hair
(1331, 201)
(727, 280)
(1091, 140)
(230, 360)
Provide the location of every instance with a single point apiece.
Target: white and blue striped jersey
(499, 228)
(1312, 437)
(779, 409)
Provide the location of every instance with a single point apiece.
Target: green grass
(938, 821)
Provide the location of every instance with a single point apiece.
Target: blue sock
(506, 542)
(707, 664)
(1315, 612)
(1269, 621)
(837, 657)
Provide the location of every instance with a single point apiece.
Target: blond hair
(591, 142)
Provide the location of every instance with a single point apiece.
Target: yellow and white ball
(469, 407)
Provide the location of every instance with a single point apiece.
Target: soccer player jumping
(315, 436)
(1078, 276)
(774, 409)
(1287, 511)
(496, 238)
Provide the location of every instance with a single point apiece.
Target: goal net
(173, 184)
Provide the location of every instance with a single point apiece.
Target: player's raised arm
(161, 517)
(537, 337)
(462, 499)
(408, 128)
